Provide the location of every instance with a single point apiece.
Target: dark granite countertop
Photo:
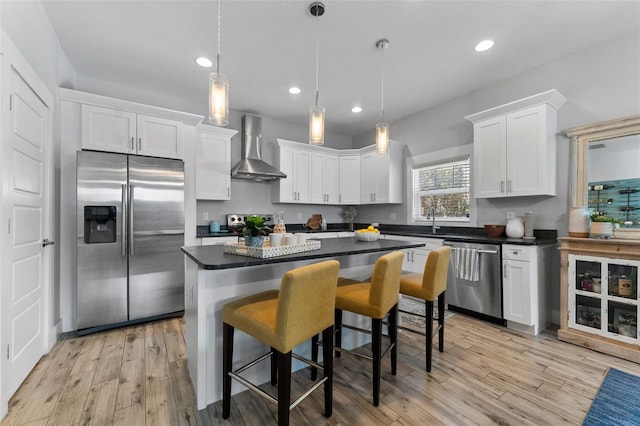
(214, 257)
(449, 233)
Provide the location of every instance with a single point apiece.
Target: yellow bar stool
(429, 286)
(375, 299)
(283, 319)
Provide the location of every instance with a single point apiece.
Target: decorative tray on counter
(265, 252)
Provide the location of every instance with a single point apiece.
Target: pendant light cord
(382, 89)
(218, 56)
(317, 60)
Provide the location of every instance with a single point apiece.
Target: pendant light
(316, 112)
(218, 90)
(382, 128)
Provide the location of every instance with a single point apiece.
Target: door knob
(47, 242)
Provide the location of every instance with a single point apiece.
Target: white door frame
(10, 57)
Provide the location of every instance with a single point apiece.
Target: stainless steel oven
(474, 280)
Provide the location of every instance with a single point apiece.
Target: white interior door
(26, 139)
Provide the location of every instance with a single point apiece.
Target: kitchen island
(213, 278)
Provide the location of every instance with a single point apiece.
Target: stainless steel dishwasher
(481, 297)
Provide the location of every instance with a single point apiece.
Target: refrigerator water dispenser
(99, 224)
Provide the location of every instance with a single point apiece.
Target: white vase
(579, 222)
(515, 228)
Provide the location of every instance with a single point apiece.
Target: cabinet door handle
(228, 192)
(509, 185)
(340, 198)
(139, 144)
(504, 270)
(501, 186)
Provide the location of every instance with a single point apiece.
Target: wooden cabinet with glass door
(599, 299)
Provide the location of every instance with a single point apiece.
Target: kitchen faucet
(432, 212)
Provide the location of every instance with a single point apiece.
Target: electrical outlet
(205, 215)
(299, 216)
(511, 215)
(393, 216)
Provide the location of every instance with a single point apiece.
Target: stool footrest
(421, 333)
(236, 376)
(360, 354)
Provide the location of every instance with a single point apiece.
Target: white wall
(600, 83)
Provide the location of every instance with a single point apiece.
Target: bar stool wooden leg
(338, 332)
(327, 349)
(274, 367)
(393, 336)
(227, 360)
(314, 354)
(376, 347)
(284, 387)
(441, 322)
(428, 332)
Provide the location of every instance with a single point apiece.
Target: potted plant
(350, 213)
(601, 226)
(254, 231)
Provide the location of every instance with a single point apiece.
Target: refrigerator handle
(124, 222)
(131, 251)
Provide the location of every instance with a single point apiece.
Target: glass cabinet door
(603, 296)
(622, 301)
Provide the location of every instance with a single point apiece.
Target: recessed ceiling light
(204, 62)
(484, 45)
(294, 90)
(356, 109)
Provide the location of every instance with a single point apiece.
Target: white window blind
(445, 187)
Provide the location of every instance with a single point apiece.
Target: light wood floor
(487, 375)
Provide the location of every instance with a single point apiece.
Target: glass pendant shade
(382, 138)
(218, 99)
(316, 125)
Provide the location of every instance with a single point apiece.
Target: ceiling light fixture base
(316, 9)
(382, 44)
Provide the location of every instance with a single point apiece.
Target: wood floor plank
(110, 362)
(66, 410)
(174, 339)
(100, 406)
(131, 415)
(156, 361)
(134, 346)
(131, 386)
(160, 407)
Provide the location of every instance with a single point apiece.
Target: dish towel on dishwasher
(467, 263)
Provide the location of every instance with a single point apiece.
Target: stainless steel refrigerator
(130, 227)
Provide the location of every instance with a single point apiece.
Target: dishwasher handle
(478, 250)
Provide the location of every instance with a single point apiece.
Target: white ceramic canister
(515, 228)
(579, 222)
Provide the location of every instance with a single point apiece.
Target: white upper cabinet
(114, 130)
(296, 164)
(515, 147)
(213, 163)
(381, 176)
(321, 175)
(324, 178)
(349, 178)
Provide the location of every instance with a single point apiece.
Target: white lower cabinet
(525, 275)
(415, 258)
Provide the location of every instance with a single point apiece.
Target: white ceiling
(269, 45)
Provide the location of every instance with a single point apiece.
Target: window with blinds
(445, 187)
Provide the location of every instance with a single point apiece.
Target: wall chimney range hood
(251, 167)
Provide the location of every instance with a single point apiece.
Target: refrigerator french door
(130, 227)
